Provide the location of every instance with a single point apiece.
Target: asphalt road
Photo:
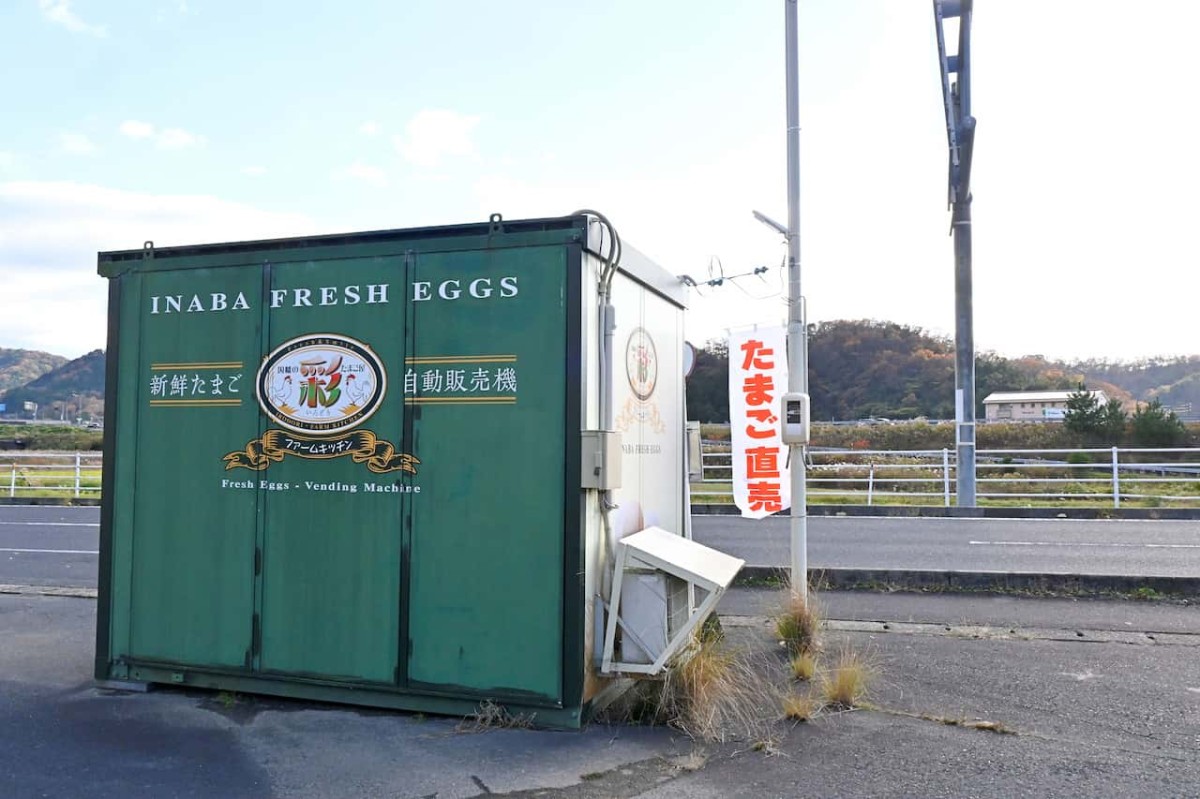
(1065, 546)
(1087, 717)
(48, 545)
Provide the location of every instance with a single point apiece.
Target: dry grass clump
(800, 707)
(798, 623)
(847, 683)
(711, 692)
(803, 667)
(491, 716)
(715, 693)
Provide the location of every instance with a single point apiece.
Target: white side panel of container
(648, 409)
(648, 414)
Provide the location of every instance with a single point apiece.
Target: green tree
(708, 385)
(1153, 425)
(1113, 420)
(1084, 416)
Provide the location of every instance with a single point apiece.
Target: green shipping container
(348, 467)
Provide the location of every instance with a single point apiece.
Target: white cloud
(364, 172)
(165, 139)
(50, 234)
(137, 130)
(76, 143)
(369, 128)
(254, 171)
(177, 139)
(434, 134)
(59, 12)
(7, 160)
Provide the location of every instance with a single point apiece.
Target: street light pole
(960, 134)
(797, 332)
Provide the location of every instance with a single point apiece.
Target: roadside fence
(1108, 477)
(50, 474)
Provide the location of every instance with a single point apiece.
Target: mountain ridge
(857, 369)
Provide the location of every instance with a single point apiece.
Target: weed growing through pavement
(800, 707)
(711, 691)
(491, 716)
(798, 623)
(803, 666)
(847, 682)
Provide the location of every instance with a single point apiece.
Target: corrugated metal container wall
(347, 467)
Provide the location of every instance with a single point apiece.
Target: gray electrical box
(695, 452)
(601, 460)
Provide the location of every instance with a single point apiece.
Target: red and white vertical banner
(757, 379)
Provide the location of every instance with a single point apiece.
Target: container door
(191, 550)
(485, 385)
(333, 402)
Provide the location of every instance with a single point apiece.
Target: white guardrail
(50, 474)
(1050, 477)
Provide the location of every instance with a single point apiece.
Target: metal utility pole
(797, 332)
(960, 133)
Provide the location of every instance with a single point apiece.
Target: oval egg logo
(322, 384)
(641, 363)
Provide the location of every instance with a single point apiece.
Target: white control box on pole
(795, 418)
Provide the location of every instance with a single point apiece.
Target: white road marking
(52, 524)
(1082, 676)
(997, 520)
(52, 551)
(1079, 544)
(55, 507)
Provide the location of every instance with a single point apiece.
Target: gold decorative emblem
(362, 446)
(320, 387)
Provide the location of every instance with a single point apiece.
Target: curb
(986, 582)
(49, 590)
(915, 511)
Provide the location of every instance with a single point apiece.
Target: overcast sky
(187, 121)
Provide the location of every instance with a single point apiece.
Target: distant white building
(1030, 406)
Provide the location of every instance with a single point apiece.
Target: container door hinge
(257, 561)
(256, 636)
(397, 675)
